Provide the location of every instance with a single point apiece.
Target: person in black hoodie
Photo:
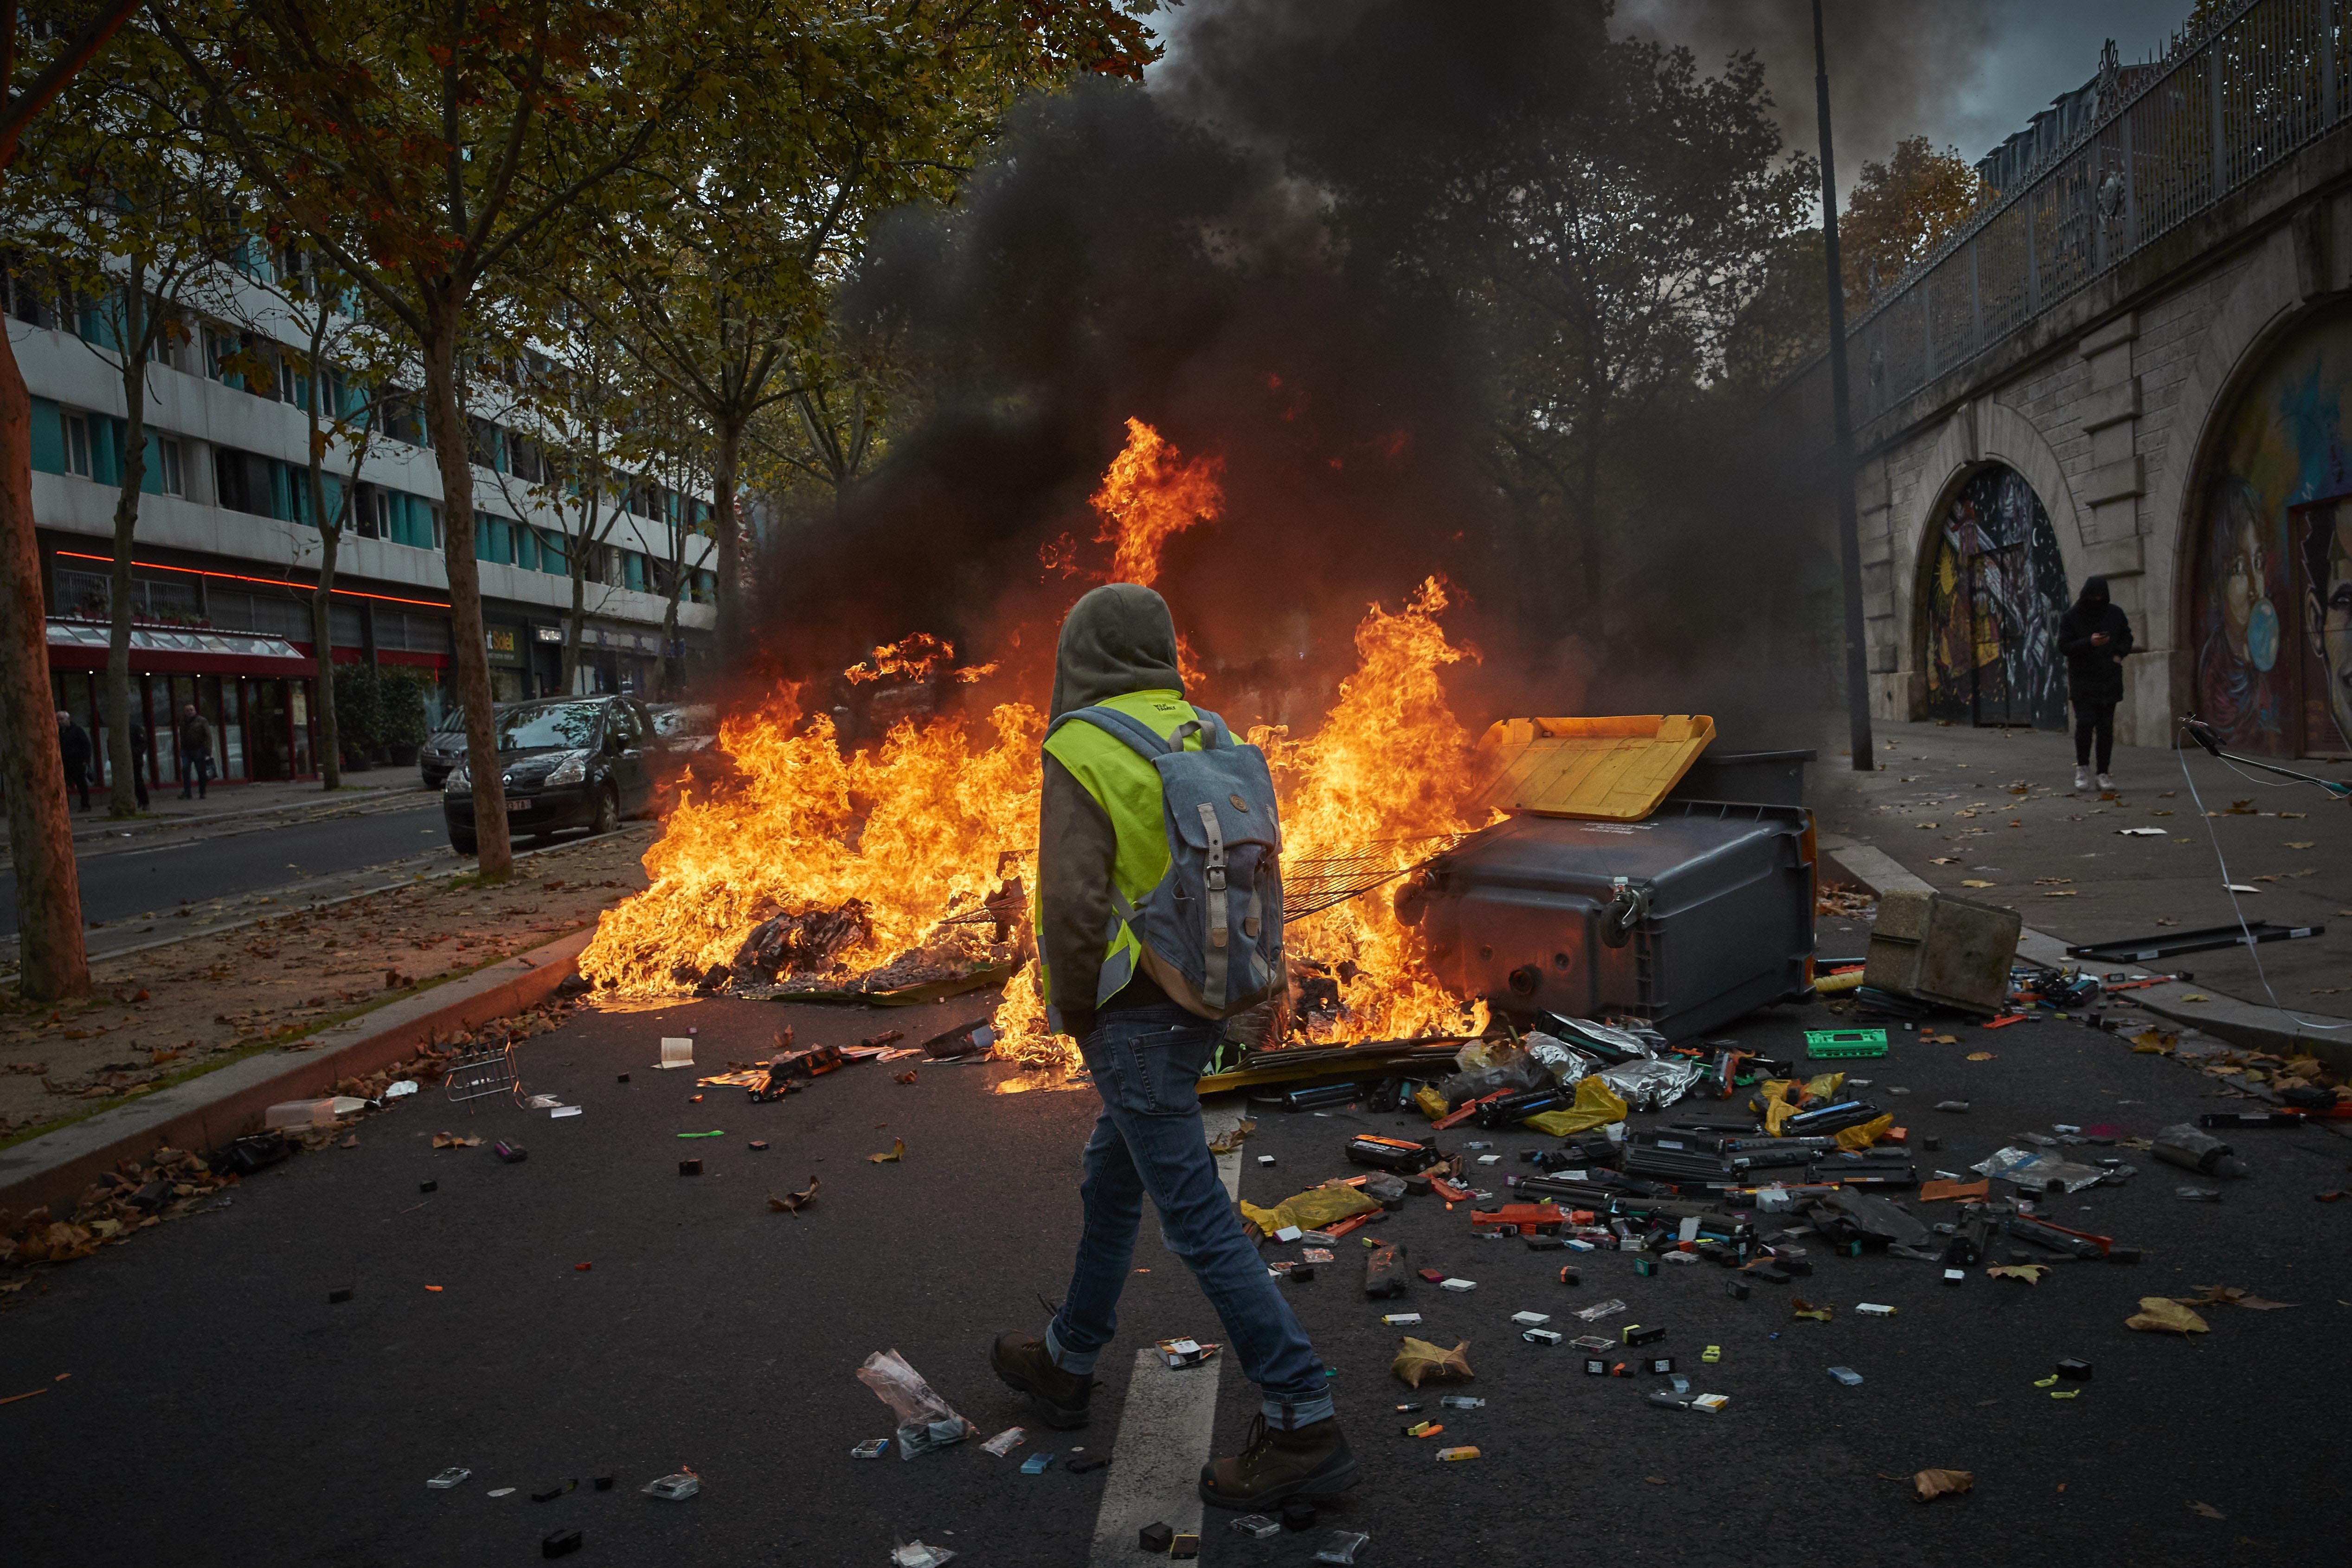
(2095, 637)
(73, 748)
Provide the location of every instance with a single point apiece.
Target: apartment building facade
(226, 557)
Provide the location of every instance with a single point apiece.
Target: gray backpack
(1212, 930)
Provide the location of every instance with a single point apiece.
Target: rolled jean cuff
(1290, 1415)
(1077, 1362)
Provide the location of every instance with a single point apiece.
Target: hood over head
(2095, 592)
(1117, 639)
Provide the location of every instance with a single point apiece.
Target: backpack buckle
(1215, 878)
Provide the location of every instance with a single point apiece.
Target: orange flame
(934, 819)
(1389, 762)
(912, 657)
(1148, 496)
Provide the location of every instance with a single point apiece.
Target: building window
(77, 444)
(171, 472)
(373, 512)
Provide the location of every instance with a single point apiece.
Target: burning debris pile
(822, 868)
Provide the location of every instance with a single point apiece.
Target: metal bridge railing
(2268, 77)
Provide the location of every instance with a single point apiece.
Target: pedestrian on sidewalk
(195, 752)
(2095, 637)
(73, 745)
(138, 761)
(1102, 836)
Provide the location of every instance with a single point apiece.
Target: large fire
(921, 828)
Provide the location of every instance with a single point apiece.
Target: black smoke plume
(1190, 255)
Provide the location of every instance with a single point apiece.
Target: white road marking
(1166, 1428)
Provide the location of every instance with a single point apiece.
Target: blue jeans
(1145, 1063)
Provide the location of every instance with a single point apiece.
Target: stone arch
(1978, 434)
(1992, 576)
(2261, 307)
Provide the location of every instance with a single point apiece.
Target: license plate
(515, 806)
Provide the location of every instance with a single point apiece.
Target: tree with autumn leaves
(453, 160)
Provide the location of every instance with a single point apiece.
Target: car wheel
(608, 811)
(462, 841)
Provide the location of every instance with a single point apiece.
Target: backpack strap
(1134, 731)
(1138, 736)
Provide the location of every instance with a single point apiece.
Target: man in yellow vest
(1100, 832)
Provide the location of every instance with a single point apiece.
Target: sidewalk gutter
(2255, 1025)
(206, 1112)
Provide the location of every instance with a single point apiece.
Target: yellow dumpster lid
(1607, 770)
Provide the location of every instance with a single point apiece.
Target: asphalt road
(239, 859)
(220, 1410)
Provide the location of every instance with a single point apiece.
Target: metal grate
(1314, 883)
(483, 1073)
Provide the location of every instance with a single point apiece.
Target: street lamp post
(1857, 653)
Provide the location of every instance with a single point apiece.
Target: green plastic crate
(1831, 1044)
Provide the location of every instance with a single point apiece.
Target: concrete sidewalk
(166, 809)
(1953, 806)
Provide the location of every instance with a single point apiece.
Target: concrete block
(2112, 481)
(2108, 406)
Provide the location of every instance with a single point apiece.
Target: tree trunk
(51, 960)
(331, 534)
(451, 453)
(725, 560)
(123, 799)
(571, 623)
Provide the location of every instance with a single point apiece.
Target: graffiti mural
(1996, 588)
(2271, 589)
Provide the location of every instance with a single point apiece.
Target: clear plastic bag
(925, 1421)
(2035, 1169)
(1342, 1546)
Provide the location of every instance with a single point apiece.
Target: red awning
(155, 650)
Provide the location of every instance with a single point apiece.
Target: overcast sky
(1965, 73)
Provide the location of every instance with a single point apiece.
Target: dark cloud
(1162, 255)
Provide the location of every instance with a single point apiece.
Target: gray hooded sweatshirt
(1117, 639)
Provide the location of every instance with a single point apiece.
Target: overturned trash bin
(1610, 891)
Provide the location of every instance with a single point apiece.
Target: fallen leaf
(2195, 996)
(435, 1288)
(898, 1151)
(1945, 860)
(2301, 843)
(1923, 824)
(907, 1076)
(1806, 1309)
(2062, 893)
(2031, 1273)
(2230, 1296)
(2208, 1509)
(2154, 1041)
(1941, 1039)
(793, 1203)
(1932, 1484)
(1418, 1359)
(2162, 1315)
(2053, 881)
(1980, 1056)
(454, 1141)
(1975, 882)
(1655, 1481)
(1227, 1142)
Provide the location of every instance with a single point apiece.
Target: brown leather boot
(1312, 1461)
(1059, 1397)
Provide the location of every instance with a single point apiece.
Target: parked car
(443, 749)
(565, 762)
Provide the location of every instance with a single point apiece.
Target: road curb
(206, 1112)
(2253, 1025)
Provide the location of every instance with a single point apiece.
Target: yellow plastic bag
(1430, 1103)
(1864, 1136)
(1596, 1106)
(1311, 1210)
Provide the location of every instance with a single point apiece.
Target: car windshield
(683, 721)
(560, 725)
(451, 723)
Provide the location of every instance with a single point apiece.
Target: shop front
(258, 694)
